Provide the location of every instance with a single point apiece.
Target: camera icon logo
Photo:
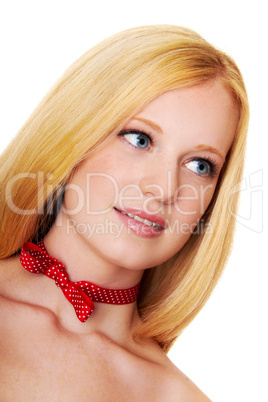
(250, 213)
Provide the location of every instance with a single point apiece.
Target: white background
(224, 350)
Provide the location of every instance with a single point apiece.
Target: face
(137, 200)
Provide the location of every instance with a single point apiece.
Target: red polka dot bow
(81, 295)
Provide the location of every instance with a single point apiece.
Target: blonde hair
(95, 96)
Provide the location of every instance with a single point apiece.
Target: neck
(83, 263)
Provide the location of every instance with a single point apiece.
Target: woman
(124, 174)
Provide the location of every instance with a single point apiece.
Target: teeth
(149, 223)
(137, 218)
(155, 225)
(145, 221)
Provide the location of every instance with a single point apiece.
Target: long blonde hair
(96, 95)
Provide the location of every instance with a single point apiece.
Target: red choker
(81, 295)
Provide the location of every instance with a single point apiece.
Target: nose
(160, 182)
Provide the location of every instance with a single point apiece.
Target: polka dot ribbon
(35, 259)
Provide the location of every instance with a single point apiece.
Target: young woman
(120, 185)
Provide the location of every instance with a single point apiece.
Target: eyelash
(133, 131)
(214, 167)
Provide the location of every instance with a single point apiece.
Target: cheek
(94, 188)
(193, 200)
(189, 208)
(95, 194)
(102, 192)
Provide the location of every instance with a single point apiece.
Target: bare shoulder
(178, 387)
(168, 382)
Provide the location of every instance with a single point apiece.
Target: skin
(99, 359)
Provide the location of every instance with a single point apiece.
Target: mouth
(155, 222)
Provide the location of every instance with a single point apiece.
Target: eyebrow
(149, 123)
(203, 147)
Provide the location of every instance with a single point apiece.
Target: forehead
(207, 112)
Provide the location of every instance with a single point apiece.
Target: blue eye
(200, 167)
(137, 138)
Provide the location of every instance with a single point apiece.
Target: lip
(140, 228)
